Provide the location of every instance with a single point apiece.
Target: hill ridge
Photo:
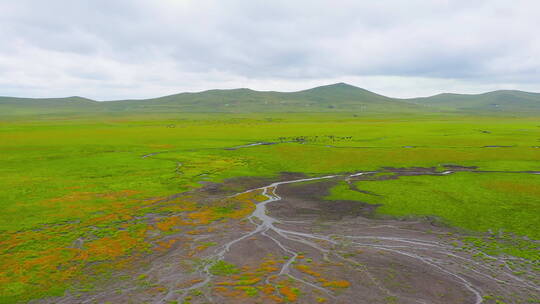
(337, 97)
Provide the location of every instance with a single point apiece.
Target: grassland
(475, 201)
(504, 204)
(63, 178)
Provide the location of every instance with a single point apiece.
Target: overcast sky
(112, 49)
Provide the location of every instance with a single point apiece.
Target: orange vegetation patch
(188, 283)
(195, 232)
(195, 281)
(54, 263)
(228, 292)
(25, 270)
(164, 245)
(202, 217)
(337, 284)
(288, 293)
(268, 266)
(268, 289)
(46, 263)
(108, 248)
(169, 223)
(306, 269)
(325, 282)
(83, 204)
(275, 299)
(245, 282)
(113, 217)
(10, 242)
(249, 281)
(221, 289)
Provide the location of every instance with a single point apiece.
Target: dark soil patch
(307, 200)
(459, 167)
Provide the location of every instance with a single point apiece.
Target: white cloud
(144, 48)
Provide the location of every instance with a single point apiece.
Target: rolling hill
(496, 101)
(335, 98)
(31, 106)
(339, 97)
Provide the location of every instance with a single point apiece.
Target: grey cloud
(103, 47)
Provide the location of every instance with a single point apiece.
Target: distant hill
(339, 97)
(335, 97)
(499, 101)
(29, 106)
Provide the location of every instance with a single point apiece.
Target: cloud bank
(146, 48)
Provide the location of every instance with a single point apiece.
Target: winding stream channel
(441, 257)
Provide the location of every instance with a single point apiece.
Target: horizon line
(270, 91)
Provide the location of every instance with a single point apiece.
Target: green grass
(61, 176)
(44, 160)
(502, 207)
(223, 268)
(475, 201)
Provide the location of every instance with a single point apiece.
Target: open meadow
(269, 152)
(100, 198)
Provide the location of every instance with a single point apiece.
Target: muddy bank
(297, 247)
(300, 201)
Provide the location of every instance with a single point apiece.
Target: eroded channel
(296, 247)
(424, 262)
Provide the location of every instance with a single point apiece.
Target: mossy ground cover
(508, 202)
(63, 178)
(503, 204)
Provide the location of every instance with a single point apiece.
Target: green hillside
(330, 98)
(496, 101)
(338, 97)
(31, 106)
